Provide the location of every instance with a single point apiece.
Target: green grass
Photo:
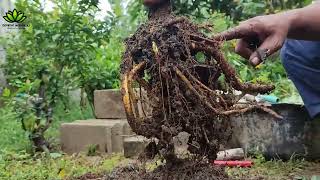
(23, 166)
(276, 170)
(16, 163)
(13, 138)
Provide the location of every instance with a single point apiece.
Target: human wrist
(295, 23)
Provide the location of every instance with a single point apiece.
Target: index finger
(239, 32)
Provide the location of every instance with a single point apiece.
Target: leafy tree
(56, 53)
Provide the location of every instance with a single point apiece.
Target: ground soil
(185, 169)
(267, 170)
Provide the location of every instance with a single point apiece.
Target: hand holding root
(258, 37)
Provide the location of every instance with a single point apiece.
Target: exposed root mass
(175, 79)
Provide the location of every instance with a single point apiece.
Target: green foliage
(237, 10)
(59, 51)
(92, 150)
(250, 8)
(13, 138)
(72, 48)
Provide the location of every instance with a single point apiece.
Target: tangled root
(168, 89)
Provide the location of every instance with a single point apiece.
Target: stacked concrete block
(107, 136)
(109, 133)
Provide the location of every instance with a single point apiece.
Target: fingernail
(255, 61)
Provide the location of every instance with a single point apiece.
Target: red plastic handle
(233, 163)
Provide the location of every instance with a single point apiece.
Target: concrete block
(77, 138)
(108, 104)
(106, 135)
(117, 138)
(133, 146)
(259, 131)
(127, 129)
(117, 133)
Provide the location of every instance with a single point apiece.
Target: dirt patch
(182, 170)
(189, 87)
(267, 170)
(91, 176)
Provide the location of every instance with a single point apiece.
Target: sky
(105, 7)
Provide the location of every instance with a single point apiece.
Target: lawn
(277, 169)
(23, 166)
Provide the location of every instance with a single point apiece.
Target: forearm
(304, 22)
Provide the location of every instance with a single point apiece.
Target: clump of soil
(175, 79)
(182, 170)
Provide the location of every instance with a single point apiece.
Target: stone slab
(133, 146)
(108, 136)
(108, 104)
